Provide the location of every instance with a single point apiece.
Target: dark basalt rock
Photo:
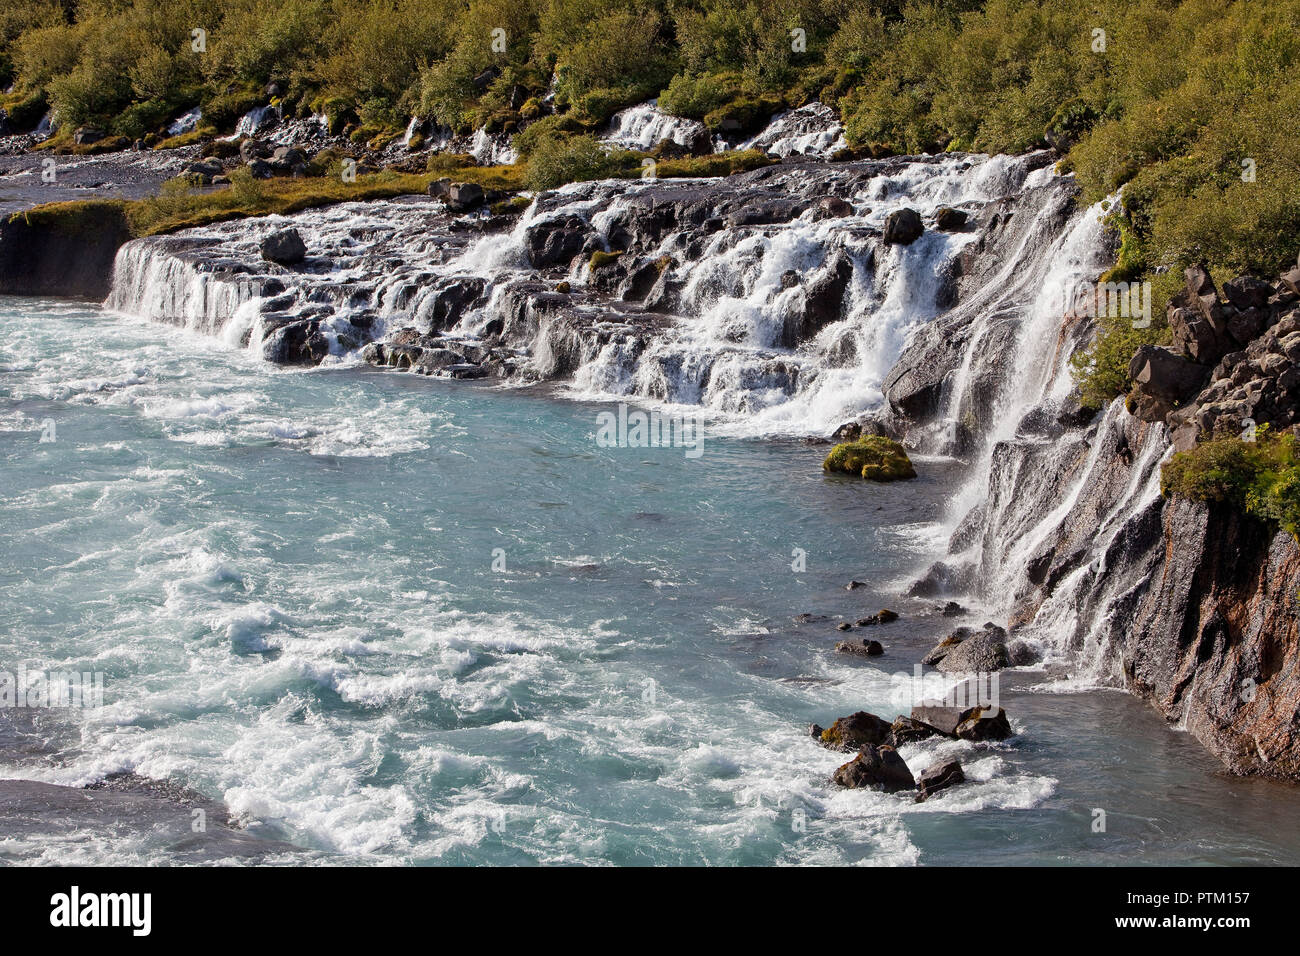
(41, 256)
(949, 643)
(909, 730)
(949, 219)
(981, 653)
(855, 731)
(823, 301)
(297, 343)
(1162, 381)
(984, 723)
(556, 242)
(463, 196)
(832, 207)
(942, 579)
(942, 718)
(903, 227)
(938, 777)
(862, 649)
(877, 768)
(284, 246)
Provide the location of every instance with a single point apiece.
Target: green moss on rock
(874, 457)
(599, 259)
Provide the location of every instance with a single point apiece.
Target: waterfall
(255, 120)
(185, 123)
(644, 126)
(811, 130)
(492, 149)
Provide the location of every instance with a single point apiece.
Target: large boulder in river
(284, 246)
(855, 732)
(877, 768)
(985, 723)
(981, 653)
(940, 650)
(903, 227)
(940, 776)
(874, 457)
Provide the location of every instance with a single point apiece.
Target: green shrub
(141, 118)
(556, 161)
(694, 97)
(1260, 478)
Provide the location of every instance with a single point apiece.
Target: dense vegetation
(1192, 106)
(1261, 477)
(1169, 100)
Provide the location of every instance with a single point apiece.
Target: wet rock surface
(876, 768)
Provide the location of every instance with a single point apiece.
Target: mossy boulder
(874, 457)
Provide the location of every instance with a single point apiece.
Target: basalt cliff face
(925, 298)
(46, 254)
(1192, 606)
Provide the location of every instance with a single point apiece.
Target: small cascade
(45, 128)
(411, 129)
(187, 122)
(492, 149)
(811, 130)
(644, 126)
(255, 121)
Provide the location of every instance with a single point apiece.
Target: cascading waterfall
(811, 130)
(644, 126)
(186, 122)
(492, 149)
(255, 120)
(728, 348)
(729, 344)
